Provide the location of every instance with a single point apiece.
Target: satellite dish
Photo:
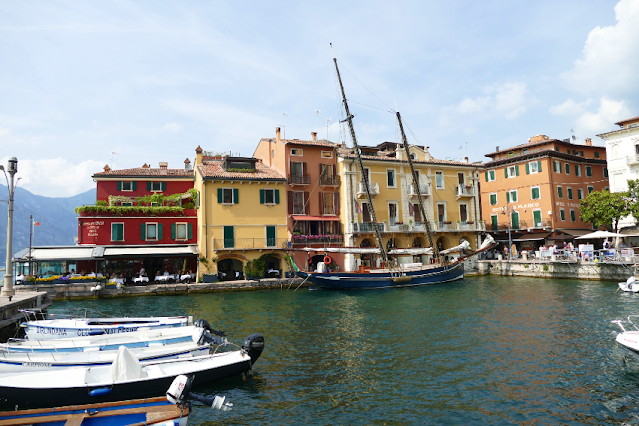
(574, 137)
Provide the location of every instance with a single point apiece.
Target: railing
(249, 243)
(424, 188)
(330, 181)
(445, 226)
(365, 227)
(299, 179)
(317, 239)
(478, 225)
(632, 159)
(465, 190)
(361, 189)
(542, 224)
(399, 227)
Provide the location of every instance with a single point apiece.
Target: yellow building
(449, 194)
(241, 215)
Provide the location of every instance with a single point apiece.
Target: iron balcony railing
(249, 243)
(303, 240)
(295, 179)
(330, 180)
(365, 227)
(465, 190)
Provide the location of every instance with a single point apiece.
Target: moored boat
(630, 285)
(628, 339)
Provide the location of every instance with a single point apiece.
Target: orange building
(538, 185)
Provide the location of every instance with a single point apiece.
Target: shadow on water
(485, 350)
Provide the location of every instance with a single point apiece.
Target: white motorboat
(15, 362)
(110, 342)
(79, 327)
(629, 339)
(124, 379)
(631, 285)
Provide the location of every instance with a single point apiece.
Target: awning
(574, 232)
(303, 217)
(533, 237)
(59, 253)
(151, 251)
(75, 253)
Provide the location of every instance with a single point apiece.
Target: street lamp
(508, 212)
(12, 168)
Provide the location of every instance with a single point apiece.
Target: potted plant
(209, 277)
(253, 271)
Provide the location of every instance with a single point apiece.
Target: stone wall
(558, 269)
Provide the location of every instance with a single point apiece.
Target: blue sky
(152, 80)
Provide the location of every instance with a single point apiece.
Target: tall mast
(371, 210)
(418, 190)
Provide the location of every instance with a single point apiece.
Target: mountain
(58, 221)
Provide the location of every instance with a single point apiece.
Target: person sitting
(166, 272)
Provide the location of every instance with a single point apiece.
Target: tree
(604, 208)
(632, 198)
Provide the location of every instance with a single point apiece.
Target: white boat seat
(153, 371)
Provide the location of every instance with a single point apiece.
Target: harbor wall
(599, 271)
(11, 314)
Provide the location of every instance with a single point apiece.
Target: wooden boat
(124, 379)
(78, 327)
(16, 362)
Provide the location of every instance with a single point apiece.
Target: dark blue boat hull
(359, 281)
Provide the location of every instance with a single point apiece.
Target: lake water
(485, 350)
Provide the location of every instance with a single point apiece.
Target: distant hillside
(58, 223)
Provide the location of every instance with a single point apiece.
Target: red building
(144, 218)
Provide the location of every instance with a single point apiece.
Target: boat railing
(621, 323)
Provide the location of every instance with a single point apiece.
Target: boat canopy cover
(125, 366)
(411, 251)
(488, 241)
(465, 245)
(355, 250)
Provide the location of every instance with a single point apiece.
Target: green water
(485, 350)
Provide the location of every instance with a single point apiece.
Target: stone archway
(366, 259)
(442, 243)
(230, 269)
(418, 242)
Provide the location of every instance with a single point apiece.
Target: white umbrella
(599, 234)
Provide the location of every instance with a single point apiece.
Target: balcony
(632, 159)
(306, 240)
(465, 191)
(543, 224)
(249, 243)
(361, 190)
(365, 228)
(478, 225)
(333, 181)
(299, 179)
(399, 227)
(424, 188)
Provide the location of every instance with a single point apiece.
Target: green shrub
(546, 267)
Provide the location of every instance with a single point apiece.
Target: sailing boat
(391, 274)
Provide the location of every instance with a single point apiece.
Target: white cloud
(4, 132)
(172, 127)
(610, 56)
(511, 99)
(570, 107)
(609, 112)
(55, 177)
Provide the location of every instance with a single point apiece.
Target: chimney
(187, 164)
(164, 165)
(588, 142)
(146, 166)
(314, 136)
(278, 134)
(497, 148)
(198, 155)
(107, 168)
(465, 159)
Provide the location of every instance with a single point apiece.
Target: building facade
(534, 189)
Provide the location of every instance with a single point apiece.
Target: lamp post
(12, 168)
(508, 212)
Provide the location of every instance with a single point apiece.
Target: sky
(85, 84)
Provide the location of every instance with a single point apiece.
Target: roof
(548, 152)
(211, 169)
(143, 171)
(526, 145)
(386, 156)
(627, 120)
(320, 142)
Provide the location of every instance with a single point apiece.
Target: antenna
(328, 120)
(285, 115)
(112, 154)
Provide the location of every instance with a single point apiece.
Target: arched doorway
(230, 269)
(367, 259)
(418, 242)
(273, 268)
(442, 243)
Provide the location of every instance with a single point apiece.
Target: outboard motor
(254, 345)
(202, 323)
(179, 393)
(202, 337)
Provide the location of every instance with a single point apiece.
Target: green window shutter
(492, 174)
(163, 186)
(134, 185)
(570, 193)
(219, 196)
(261, 196)
(493, 199)
(605, 172)
(173, 231)
(119, 186)
(236, 196)
(277, 196)
(148, 186)
(588, 171)
(560, 193)
(516, 170)
(576, 170)
(539, 166)
(514, 197)
(572, 216)
(506, 171)
(508, 197)
(562, 213)
(120, 231)
(189, 231)
(143, 231)
(486, 176)
(535, 193)
(527, 169)
(160, 228)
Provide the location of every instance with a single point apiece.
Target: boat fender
(254, 345)
(327, 259)
(100, 392)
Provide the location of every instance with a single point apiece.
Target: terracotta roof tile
(320, 142)
(384, 156)
(146, 171)
(526, 145)
(622, 122)
(213, 169)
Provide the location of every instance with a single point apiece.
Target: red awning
(302, 217)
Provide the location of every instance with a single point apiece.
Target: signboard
(627, 253)
(586, 247)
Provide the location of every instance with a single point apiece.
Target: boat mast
(418, 190)
(371, 210)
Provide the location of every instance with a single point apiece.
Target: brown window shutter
(321, 203)
(306, 202)
(290, 202)
(304, 170)
(336, 201)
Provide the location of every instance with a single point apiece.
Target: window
(588, 171)
(126, 204)
(227, 196)
(557, 166)
(556, 148)
(596, 154)
(297, 169)
(327, 154)
(151, 230)
(493, 199)
(577, 170)
(439, 180)
(463, 213)
(269, 196)
(569, 190)
(117, 232)
(580, 193)
(270, 236)
(534, 193)
(157, 186)
(537, 218)
(511, 196)
(512, 171)
(272, 153)
(562, 214)
(461, 178)
(494, 222)
(328, 203)
(297, 152)
(590, 189)
(298, 203)
(567, 167)
(490, 176)
(181, 231)
(127, 186)
(534, 167)
(560, 192)
(605, 171)
(573, 218)
(229, 237)
(390, 178)
(441, 212)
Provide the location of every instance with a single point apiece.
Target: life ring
(327, 260)
(310, 261)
